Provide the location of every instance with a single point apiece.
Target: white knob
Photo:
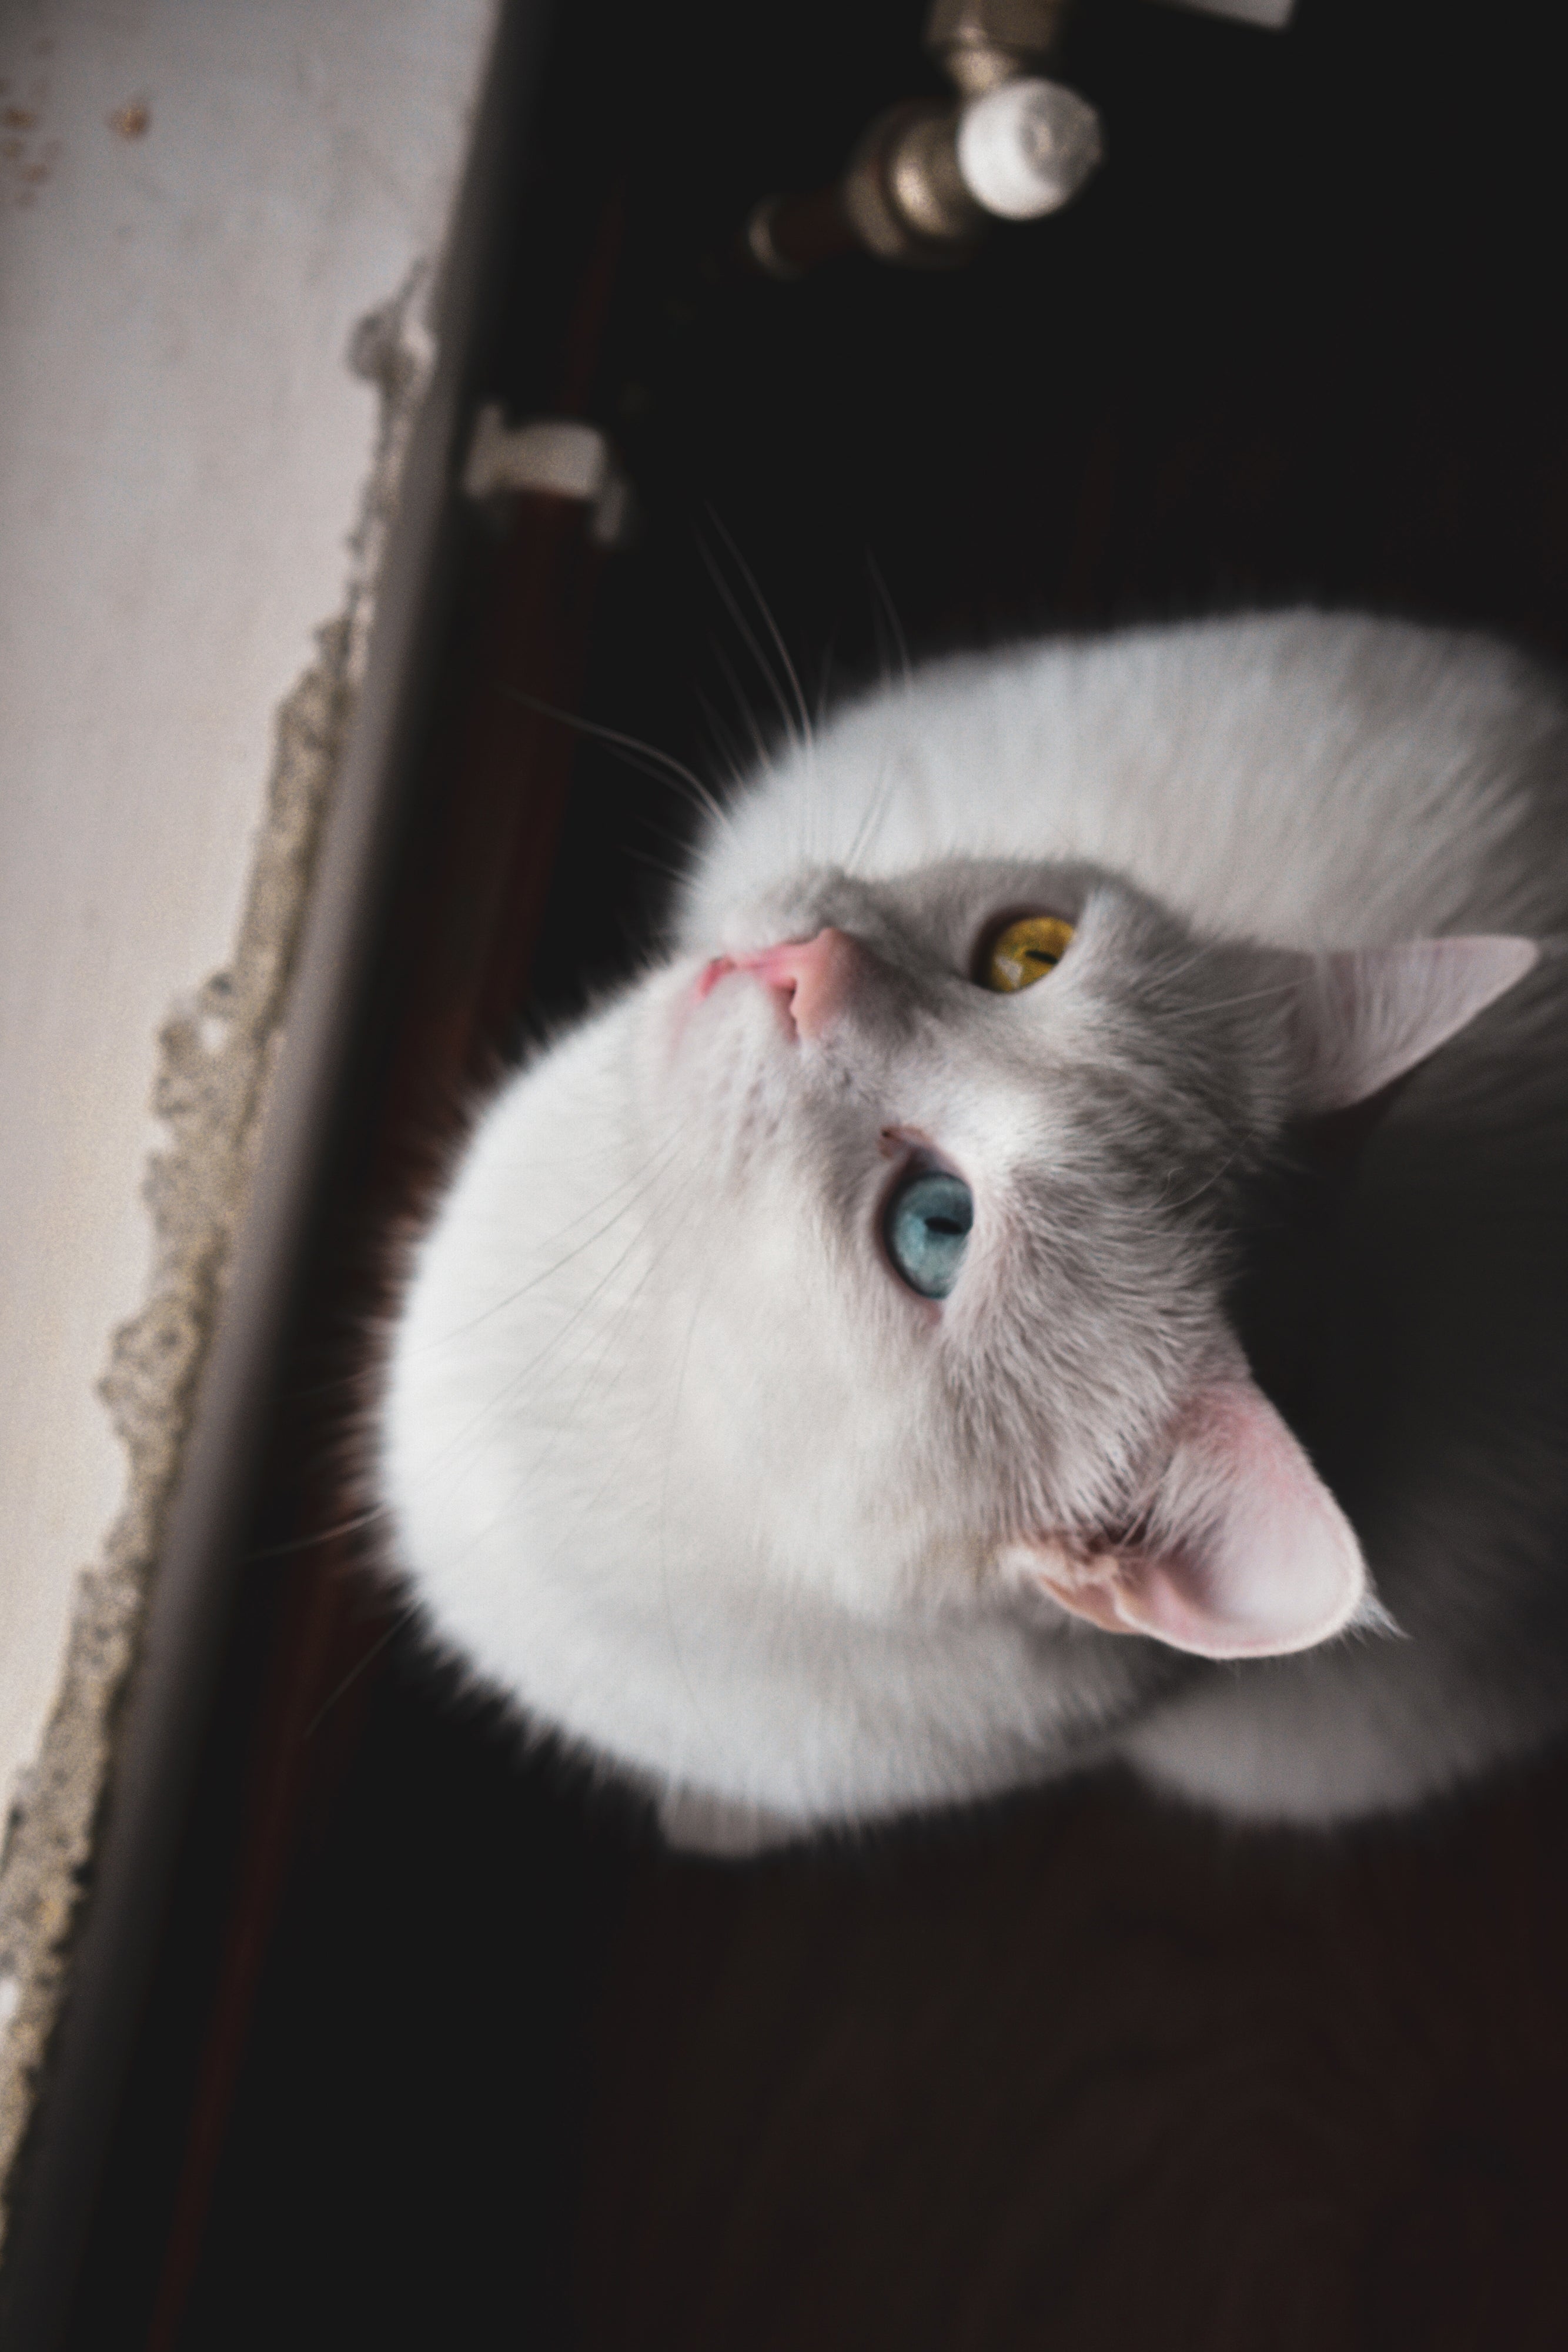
(1027, 147)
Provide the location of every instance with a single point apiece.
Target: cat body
(687, 1457)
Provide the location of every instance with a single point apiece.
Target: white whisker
(646, 754)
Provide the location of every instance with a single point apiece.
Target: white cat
(822, 1392)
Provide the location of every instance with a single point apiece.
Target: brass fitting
(903, 194)
(926, 180)
(979, 43)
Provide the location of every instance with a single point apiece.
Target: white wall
(198, 201)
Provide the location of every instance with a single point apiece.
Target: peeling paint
(216, 1054)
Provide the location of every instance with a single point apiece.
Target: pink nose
(813, 977)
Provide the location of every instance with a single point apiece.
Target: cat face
(819, 1341)
(1097, 1121)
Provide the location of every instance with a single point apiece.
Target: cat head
(823, 1367)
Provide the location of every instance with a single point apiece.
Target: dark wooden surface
(1093, 2075)
(446, 2051)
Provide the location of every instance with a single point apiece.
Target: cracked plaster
(216, 1047)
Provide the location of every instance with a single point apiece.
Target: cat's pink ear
(1364, 1017)
(1243, 1554)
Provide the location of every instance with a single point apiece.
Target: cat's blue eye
(926, 1230)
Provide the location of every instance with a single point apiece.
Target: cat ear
(1243, 1554)
(1364, 1017)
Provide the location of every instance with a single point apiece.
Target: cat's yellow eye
(1025, 951)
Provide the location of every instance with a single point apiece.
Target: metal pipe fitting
(926, 180)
